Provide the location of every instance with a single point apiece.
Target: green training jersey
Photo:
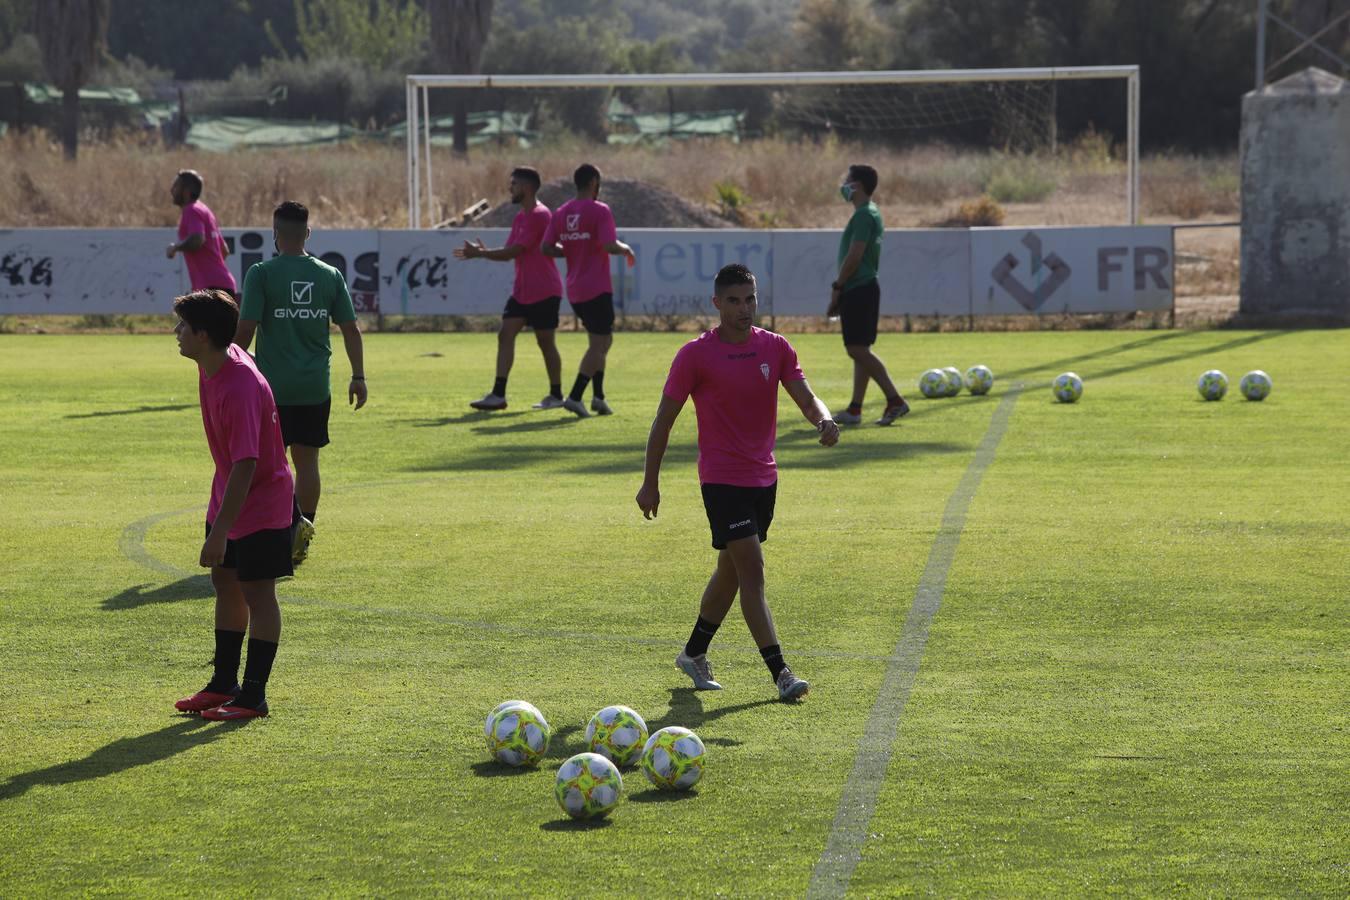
(293, 299)
(865, 226)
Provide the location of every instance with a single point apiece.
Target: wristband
(358, 378)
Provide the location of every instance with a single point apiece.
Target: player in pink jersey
(248, 521)
(199, 239)
(583, 232)
(733, 373)
(535, 297)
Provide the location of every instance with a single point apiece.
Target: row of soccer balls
(948, 382)
(588, 785)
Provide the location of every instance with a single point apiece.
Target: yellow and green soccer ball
(1255, 385)
(517, 734)
(954, 383)
(617, 733)
(588, 786)
(1212, 385)
(933, 383)
(979, 380)
(1068, 388)
(673, 759)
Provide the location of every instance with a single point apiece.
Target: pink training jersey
(241, 423)
(735, 391)
(584, 227)
(206, 265)
(536, 274)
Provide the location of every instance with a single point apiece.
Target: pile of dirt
(636, 204)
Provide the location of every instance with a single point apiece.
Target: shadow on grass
(133, 412)
(659, 796)
(124, 754)
(576, 824)
(686, 710)
(194, 587)
(490, 768)
(463, 419)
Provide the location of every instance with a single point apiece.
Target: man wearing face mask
(855, 297)
(290, 301)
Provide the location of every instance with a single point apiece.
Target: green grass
(1136, 683)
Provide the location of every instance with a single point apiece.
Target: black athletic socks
(773, 658)
(556, 389)
(256, 672)
(579, 387)
(499, 387)
(229, 645)
(701, 637)
(598, 385)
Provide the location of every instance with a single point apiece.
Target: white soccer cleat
(576, 406)
(549, 402)
(844, 417)
(790, 687)
(490, 401)
(600, 407)
(697, 668)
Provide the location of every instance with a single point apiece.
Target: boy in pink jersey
(583, 232)
(536, 296)
(733, 373)
(199, 239)
(248, 521)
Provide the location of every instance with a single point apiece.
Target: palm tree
(72, 34)
(459, 32)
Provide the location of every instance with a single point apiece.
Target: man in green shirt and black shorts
(290, 300)
(855, 297)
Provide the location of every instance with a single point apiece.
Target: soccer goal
(1009, 109)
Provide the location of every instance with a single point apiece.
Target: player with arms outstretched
(733, 373)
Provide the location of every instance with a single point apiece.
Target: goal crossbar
(420, 190)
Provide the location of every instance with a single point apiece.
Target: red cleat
(228, 713)
(204, 700)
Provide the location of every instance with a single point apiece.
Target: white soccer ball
(954, 382)
(979, 380)
(588, 786)
(673, 759)
(933, 383)
(1212, 385)
(616, 733)
(518, 735)
(1068, 388)
(506, 704)
(1255, 385)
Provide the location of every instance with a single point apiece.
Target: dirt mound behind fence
(636, 204)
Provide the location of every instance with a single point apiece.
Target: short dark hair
(213, 311)
(192, 180)
(732, 274)
(291, 212)
(526, 173)
(584, 175)
(864, 175)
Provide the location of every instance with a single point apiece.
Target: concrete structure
(1296, 196)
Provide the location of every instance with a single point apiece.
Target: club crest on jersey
(764, 370)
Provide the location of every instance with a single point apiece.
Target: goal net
(1012, 111)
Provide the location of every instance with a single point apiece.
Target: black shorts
(736, 512)
(541, 316)
(259, 556)
(596, 314)
(859, 311)
(307, 425)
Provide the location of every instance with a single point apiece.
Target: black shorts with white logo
(596, 314)
(859, 312)
(305, 425)
(736, 512)
(541, 316)
(259, 556)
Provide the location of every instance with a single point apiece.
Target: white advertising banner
(1071, 270)
(71, 271)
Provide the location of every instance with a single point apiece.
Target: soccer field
(1054, 649)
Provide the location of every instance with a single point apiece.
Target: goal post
(421, 178)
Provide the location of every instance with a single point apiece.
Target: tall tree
(459, 33)
(72, 34)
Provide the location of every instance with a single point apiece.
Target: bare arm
(649, 496)
(243, 335)
(554, 250)
(351, 340)
(814, 411)
(479, 250)
(619, 248)
(236, 490)
(189, 243)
